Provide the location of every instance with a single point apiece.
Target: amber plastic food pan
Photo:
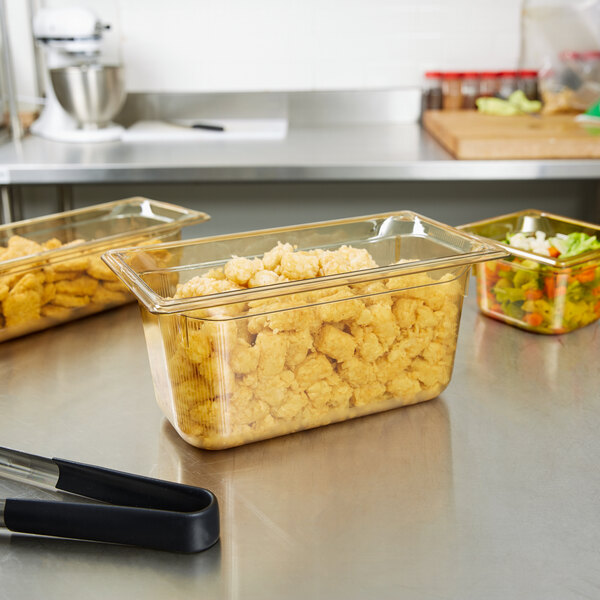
(50, 267)
(304, 326)
(533, 292)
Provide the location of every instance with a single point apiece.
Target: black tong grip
(139, 511)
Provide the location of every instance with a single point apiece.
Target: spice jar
(527, 83)
(507, 83)
(451, 90)
(470, 90)
(488, 83)
(432, 91)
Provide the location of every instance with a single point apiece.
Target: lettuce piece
(560, 244)
(575, 243)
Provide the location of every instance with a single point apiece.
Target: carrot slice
(586, 276)
(533, 319)
(534, 294)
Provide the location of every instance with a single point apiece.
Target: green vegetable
(509, 294)
(513, 310)
(575, 291)
(575, 243)
(530, 264)
(526, 279)
(523, 103)
(496, 106)
(542, 298)
(517, 104)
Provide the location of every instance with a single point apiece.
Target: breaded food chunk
(241, 270)
(299, 265)
(56, 312)
(20, 307)
(82, 286)
(103, 295)
(70, 300)
(296, 360)
(98, 269)
(19, 246)
(79, 263)
(115, 286)
(334, 343)
(54, 287)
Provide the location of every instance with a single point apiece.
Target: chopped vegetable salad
(559, 246)
(543, 298)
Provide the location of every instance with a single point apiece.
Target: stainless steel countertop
(309, 153)
(488, 492)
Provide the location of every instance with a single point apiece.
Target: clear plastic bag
(562, 37)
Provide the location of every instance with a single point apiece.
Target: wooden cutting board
(472, 135)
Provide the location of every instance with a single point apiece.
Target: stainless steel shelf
(378, 152)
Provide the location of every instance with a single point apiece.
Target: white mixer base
(111, 133)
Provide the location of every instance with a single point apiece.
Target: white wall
(262, 45)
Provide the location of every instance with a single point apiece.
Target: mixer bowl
(92, 94)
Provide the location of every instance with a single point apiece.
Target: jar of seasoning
(451, 90)
(507, 83)
(527, 82)
(432, 91)
(488, 83)
(470, 90)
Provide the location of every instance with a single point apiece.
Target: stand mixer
(82, 95)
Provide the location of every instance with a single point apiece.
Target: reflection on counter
(541, 362)
(291, 496)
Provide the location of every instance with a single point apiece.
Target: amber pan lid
(421, 244)
(100, 227)
(528, 221)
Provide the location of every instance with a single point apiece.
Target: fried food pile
(53, 291)
(252, 370)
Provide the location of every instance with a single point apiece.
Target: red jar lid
(452, 75)
(569, 55)
(490, 74)
(433, 74)
(470, 75)
(526, 73)
(591, 54)
(508, 74)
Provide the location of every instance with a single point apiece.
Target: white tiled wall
(251, 45)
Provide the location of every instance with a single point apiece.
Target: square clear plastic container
(50, 267)
(357, 316)
(534, 292)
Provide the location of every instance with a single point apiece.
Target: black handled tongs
(131, 509)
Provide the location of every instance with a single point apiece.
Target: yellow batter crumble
(250, 371)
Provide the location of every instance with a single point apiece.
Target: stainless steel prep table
(368, 152)
(489, 492)
(310, 153)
